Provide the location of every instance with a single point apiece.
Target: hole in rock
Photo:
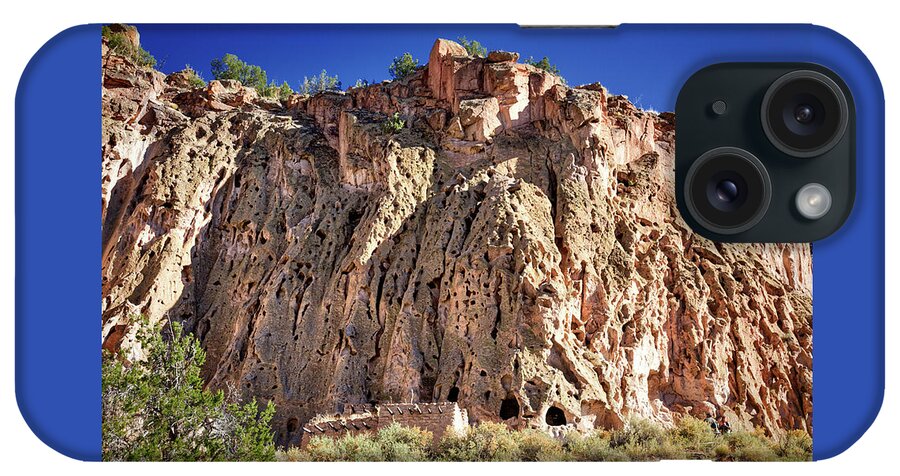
(453, 394)
(292, 425)
(509, 408)
(555, 417)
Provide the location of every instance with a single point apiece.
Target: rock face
(516, 248)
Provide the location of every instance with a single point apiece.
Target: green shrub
(639, 440)
(285, 91)
(358, 448)
(275, 91)
(194, 79)
(473, 47)
(361, 83)
(594, 447)
(485, 442)
(157, 409)
(742, 445)
(120, 44)
(643, 440)
(796, 445)
(393, 124)
(362, 447)
(403, 66)
(319, 449)
(317, 84)
(536, 445)
(545, 65)
(403, 443)
(393, 443)
(695, 438)
(230, 66)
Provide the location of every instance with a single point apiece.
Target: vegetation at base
(393, 443)
(393, 124)
(403, 66)
(639, 440)
(317, 84)
(121, 45)
(230, 66)
(157, 410)
(473, 47)
(195, 80)
(496, 442)
(545, 65)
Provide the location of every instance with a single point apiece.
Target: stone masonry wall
(433, 417)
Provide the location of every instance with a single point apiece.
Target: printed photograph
(424, 243)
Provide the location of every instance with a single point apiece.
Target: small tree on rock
(545, 65)
(320, 83)
(403, 66)
(473, 47)
(119, 43)
(230, 66)
(195, 80)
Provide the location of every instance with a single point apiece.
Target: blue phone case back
(58, 243)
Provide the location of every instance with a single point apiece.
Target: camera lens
(727, 190)
(804, 113)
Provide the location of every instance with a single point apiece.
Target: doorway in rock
(453, 394)
(509, 408)
(555, 417)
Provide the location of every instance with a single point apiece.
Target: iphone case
(479, 240)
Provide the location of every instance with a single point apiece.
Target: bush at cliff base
(638, 440)
(392, 443)
(155, 409)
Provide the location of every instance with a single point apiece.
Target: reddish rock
(502, 56)
(129, 31)
(516, 246)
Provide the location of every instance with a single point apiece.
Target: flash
(813, 201)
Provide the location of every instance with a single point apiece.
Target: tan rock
(479, 118)
(179, 79)
(516, 249)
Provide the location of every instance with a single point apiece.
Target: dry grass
(639, 440)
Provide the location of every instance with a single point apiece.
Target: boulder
(502, 57)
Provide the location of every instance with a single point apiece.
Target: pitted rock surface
(516, 246)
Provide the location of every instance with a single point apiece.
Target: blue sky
(648, 63)
(290, 52)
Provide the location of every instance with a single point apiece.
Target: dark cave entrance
(292, 425)
(555, 417)
(453, 394)
(509, 408)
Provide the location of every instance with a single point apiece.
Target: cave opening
(453, 394)
(509, 408)
(292, 425)
(555, 417)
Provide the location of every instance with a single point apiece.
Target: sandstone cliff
(515, 248)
